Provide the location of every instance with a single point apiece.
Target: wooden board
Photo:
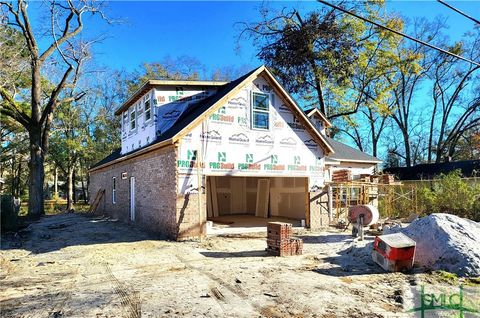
(263, 195)
(213, 190)
(238, 197)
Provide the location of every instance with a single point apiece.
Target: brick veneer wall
(191, 219)
(155, 190)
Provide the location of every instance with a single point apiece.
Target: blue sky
(152, 30)
(207, 30)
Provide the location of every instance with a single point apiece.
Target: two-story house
(196, 150)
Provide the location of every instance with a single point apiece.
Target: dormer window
(133, 119)
(260, 111)
(148, 108)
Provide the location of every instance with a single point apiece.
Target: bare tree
(409, 78)
(65, 55)
(456, 98)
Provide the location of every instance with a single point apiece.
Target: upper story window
(148, 108)
(260, 111)
(124, 120)
(133, 119)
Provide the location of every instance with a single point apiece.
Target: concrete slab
(239, 224)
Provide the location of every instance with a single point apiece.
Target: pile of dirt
(445, 242)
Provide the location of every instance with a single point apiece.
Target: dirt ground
(71, 265)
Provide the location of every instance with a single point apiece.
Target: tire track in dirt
(129, 297)
(239, 299)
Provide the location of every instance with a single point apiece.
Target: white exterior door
(132, 198)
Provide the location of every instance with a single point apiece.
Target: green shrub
(450, 194)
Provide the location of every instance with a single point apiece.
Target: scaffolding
(392, 200)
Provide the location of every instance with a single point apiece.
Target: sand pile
(446, 242)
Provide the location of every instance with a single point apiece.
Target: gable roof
(344, 152)
(315, 111)
(199, 111)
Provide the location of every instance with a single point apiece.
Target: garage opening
(246, 204)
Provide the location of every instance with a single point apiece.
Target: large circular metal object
(369, 212)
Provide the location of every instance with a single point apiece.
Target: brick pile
(388, 179)
(280, 241)
(342, 176)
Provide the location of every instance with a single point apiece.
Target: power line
(400, 33)
(461, 12)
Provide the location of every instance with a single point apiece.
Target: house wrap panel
(228, 145)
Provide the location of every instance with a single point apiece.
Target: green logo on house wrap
(433, 302)
(222, 157)
(191, 155)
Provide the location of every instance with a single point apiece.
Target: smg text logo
(458, 302)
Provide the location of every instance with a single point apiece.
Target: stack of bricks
(342, 176)
(280, 241)
(364, 178)
(388, 179)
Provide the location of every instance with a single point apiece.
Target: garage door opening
(247, 204)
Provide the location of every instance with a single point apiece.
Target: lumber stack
(364, 178)
(388, 178)
(342, 176)
(280, 241)
(374, 179)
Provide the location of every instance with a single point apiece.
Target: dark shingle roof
(347, 153)
(113, 156)
(193, 111)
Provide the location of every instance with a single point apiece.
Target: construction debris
(445, 242)
(280, 241)
(387, 178)
(342, 176)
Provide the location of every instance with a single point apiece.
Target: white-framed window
(124, 120)
(148, 108)
(260, 111)
(133, 118)
(114, 190)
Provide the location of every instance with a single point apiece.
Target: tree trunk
(36, 175)
(55, 183)
(14, 179)
(408, 154)
(374, 146)
(84, 190)
(18, 183)
(74, 182)
(69, 189)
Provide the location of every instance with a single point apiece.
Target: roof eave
(152, 147)
(328, 148)
(359, 161)
(322, 116)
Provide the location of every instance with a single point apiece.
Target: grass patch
(446, 277)
(53, 207)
